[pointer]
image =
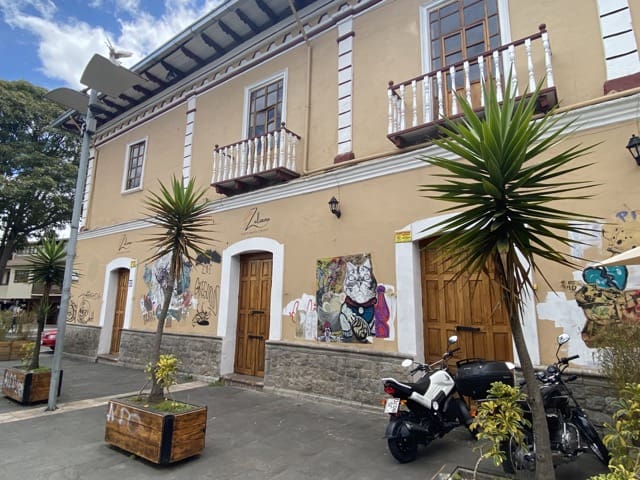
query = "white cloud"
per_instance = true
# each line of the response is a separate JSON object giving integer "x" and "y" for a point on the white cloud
{"x": 66, "y": 44}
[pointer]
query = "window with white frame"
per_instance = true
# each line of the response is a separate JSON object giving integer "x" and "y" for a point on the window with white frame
{"x": 21, "y": 276}
{"x": 265, "y": 106}
{"x": 134, "y": 165}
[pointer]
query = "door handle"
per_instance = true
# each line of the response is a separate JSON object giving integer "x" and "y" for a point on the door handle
{"x": 256, "y": 312}
{"x": 465, "y": 328}
{"x": 255, "y": 336}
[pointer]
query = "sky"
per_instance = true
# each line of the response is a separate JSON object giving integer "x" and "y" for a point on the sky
{"x": 49, "y": 42}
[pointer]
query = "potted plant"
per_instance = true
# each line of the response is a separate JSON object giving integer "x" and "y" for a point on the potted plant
{"x": 29, "y": 383}
{"x": 151, "y": 425}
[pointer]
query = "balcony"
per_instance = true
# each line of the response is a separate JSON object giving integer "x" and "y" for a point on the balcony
{"x": 256, "y": 162}
{"x": 417, "y": 107}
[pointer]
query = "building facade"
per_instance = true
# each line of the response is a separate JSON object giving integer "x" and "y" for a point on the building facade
{"x": 279, "y": 108}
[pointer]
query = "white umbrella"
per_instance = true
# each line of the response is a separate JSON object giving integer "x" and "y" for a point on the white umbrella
{"x": 630, "y": 257}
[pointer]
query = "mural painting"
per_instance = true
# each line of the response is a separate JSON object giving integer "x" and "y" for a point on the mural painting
{"x": 349, "y": 304}
{"x": 82, "y": 310}
{"x": 606, "y": 302}
{"x": 194, "y": 296}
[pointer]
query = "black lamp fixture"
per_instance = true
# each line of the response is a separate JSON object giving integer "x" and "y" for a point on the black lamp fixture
{"x": 634, "y": 148}
{"x": 334, "y": 206}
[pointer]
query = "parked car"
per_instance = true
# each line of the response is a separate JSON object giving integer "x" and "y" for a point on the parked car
{"x": 49, "y": 338}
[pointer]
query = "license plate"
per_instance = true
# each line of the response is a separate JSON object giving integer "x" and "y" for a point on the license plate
{"x": 392, "y": 405}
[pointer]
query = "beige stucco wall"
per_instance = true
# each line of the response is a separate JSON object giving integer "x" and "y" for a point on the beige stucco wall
{"x": 386, "y": 47}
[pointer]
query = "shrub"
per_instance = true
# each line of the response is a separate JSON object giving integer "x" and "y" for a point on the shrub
{"x": 620, "y": 360}
{"x": 498, "y": 419}
{"x": 623, "y": 438}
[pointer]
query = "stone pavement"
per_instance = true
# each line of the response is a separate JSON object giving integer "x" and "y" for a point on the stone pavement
{"x": 250, "y": 435}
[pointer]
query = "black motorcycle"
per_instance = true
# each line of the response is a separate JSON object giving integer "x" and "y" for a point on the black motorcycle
{"x": 570, "y": 431}
{"x": 433, "y": 406}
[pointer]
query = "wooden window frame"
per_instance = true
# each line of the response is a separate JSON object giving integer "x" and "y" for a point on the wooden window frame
{"x": 134, "y": 171}
{"x": 263, "y": 84}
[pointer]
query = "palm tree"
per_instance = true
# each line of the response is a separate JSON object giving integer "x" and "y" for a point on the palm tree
{"x": 179, "y": 212}
{"x": 46, "y": 266}
{"x": 503, "y": 221}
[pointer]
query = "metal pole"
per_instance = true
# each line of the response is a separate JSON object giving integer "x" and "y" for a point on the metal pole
{"x": 89, "y": 128}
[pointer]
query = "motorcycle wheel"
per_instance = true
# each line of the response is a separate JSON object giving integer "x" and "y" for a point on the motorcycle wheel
{"x": 515, "y": 456}
{"x": 403, "y": 449}
{"x": 592, "y": 437}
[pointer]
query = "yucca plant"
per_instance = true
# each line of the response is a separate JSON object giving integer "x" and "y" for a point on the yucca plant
{"x": 46, "y": 266}
{"x": 179, "y": 211}
{"x": 502, "y": 185}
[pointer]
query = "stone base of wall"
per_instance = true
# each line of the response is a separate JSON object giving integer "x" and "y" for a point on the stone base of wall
{"x": 340, "y": 373}
{"x": 596, "y": 396}
{"x": 198, "y": 355}
{"x": 81, "y": 340}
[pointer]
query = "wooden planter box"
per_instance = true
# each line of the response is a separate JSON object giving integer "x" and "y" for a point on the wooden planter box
{"x": 10, "y": 349}
{"x": 27, "y": 387}
{"x": 156, "y": 436}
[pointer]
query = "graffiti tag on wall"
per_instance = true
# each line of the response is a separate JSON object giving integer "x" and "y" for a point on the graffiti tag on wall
{"x": 82, "y": 311}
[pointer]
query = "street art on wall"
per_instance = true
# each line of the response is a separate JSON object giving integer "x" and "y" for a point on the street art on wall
{"x": 199, "y": 303}
{"x": 155, "y": 278}
{"x": 349, "y": 304}
{"x": 606, "y": 302}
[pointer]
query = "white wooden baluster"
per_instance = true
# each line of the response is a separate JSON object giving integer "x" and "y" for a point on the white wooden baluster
{"x": 512, "y": 70}
{"x": 427, "y": 112}
{"x": 283, "y": 144}
{"x": 226, "y": 152}
{"x": 467, "y": 81}
{"x": 243, "y": 158}
{"x": 482, "y": 79}
{"x": 216, "y": 167}
{"x": 271, "y": 163}
{"x": 261, "y": 141}
{"x": 414, "y": 113}
{"x": 402, "y": 123}
{"x": 292, "y": 159}
{"x": 454, "y": 99}
{"x": 547, "y": 59}
{"x": 532, "y": 77}
{"x": 254, "y": 155}
{"x": 391, "y": 125}
{"x": 440, "y": 99}
{"x": 236, "y": 161}
{"x": 496, "y": 68}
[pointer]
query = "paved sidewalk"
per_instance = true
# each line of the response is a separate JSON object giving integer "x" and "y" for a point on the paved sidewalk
{"x": 250, "y": 435}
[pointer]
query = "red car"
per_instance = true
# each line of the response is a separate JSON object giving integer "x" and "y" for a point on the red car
{"x": 49, "y": 338}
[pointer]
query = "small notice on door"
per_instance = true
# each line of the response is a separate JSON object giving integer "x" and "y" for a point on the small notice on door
{"x": 403, "y": 237}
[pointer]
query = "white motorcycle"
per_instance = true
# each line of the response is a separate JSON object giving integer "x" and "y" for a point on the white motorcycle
{"x": 433, "y": 406}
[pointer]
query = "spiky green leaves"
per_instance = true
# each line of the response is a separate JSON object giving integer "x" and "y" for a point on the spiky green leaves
{"x": 504, "y": 183}
{"x": 180, "y": 212}
{"x": 46, "y": 264}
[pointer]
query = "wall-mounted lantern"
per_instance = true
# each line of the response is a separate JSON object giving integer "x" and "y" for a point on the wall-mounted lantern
{"x": 634, "y": 148}
{"x": 334, "y": 206}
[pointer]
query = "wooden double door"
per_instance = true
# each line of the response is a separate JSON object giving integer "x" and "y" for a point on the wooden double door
{"x": 469, "y": 306}
{"x": 118, "y": 314}
{"x": 254, "y": 304}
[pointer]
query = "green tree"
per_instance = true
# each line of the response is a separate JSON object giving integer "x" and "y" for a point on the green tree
{"x": 37, "y": 169}
{"x": 46, "y": 267}
{"x": 179, "y": 211}
{"x": 502, "y": 186}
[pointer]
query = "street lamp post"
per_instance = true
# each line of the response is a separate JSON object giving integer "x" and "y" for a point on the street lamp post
{"x": 88, "y": 130}
{"x": 99, "y": 75}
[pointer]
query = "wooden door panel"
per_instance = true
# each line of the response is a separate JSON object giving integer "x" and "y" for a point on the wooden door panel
{"x": 253, "y": 313}
{"x": 471, "y": 302}
{"x": 119, "y": 311}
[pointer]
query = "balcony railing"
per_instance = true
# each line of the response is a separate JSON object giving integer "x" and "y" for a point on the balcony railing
{"x": 417, "y": 106}
{"x": 256, "y": 162}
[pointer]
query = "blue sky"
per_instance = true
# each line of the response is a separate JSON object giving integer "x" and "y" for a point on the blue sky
{"x": 49, "y": 42}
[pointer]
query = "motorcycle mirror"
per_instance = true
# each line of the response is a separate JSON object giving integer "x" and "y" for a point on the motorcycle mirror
{"x": 563, "y": 338}
{"x": 453, "y": 339}
{"x": 407, "y": 362}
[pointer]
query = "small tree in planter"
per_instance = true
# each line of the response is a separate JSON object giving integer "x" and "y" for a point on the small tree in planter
{"x": 165, "y": 432}
{"x": 30, "y": 383}
{"x": 46, "y": 267}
